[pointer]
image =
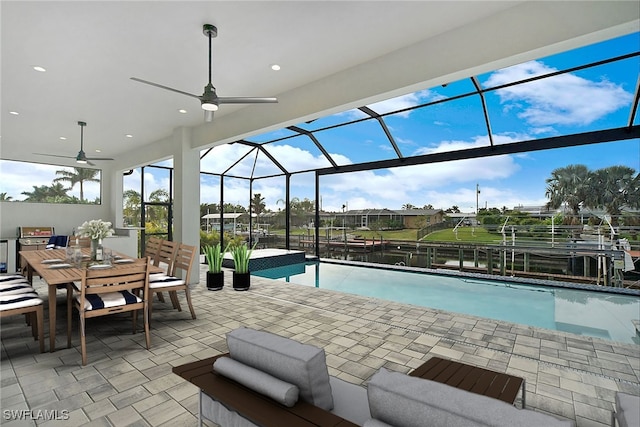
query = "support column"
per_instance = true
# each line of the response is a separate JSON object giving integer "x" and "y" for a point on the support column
{"x": 186, "y": 200}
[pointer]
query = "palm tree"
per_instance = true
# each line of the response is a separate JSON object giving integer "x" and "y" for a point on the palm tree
{"x": 407, "y": 206}
{"x": 257, "y": 205}
{"x": 39, "y": 194}
{"x": 4, "y": 197}
{"x": 78, "y": 176}
{"x": 570, "y": 186}
{"x": 57, "y": 193}
{"x": 131, "y": 208}
{"x": 613, "y": 188}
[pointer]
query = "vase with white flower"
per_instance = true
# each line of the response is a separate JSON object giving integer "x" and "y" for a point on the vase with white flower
{"x": 96, "y": 230}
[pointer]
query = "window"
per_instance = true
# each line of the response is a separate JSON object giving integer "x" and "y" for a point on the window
{"x": 43, "y": 183}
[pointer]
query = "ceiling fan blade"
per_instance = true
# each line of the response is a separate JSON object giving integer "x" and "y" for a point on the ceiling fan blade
{"x": 54, "y": 155}
{"x": 245, "y": 100}
{"x": 165, "y": 87}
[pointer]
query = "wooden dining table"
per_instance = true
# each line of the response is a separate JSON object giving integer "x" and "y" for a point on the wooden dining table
{"x": 43, "y": 263}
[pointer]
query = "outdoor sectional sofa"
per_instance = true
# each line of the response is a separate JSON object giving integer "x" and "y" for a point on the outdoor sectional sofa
{"x": 270, "y": 380}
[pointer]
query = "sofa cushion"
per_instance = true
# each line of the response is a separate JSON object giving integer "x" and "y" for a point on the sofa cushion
{"x": 256, "y": 380}
{"x": 300, "y": 364}
{"x": 404, "y": 401}
{"x": 627, "y": 412}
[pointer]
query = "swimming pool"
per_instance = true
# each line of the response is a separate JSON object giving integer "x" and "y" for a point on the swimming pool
{"x": 591, "y": 313}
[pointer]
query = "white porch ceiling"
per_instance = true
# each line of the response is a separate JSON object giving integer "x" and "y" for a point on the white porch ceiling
{"x": 334, "y": 55}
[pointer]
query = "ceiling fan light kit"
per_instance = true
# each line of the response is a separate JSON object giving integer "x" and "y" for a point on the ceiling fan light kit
{"x": 209, "y": 100}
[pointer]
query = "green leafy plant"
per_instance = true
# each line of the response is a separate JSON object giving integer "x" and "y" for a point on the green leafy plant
{"x": 214, "y": 256}
{"x": 241, "y": 254}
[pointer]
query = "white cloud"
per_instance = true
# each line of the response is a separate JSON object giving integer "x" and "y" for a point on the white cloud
{"x": 397, "y": 103}
{"x": 566, "y": 99}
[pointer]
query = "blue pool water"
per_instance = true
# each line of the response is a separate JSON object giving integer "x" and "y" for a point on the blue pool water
{"x": 597, "y": 314}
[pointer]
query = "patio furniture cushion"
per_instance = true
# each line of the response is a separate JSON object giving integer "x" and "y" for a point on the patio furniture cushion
{"x": 8, "y": 278}
{"x": 263, "y": 383}
{"x": 111, "y": 299}
{"x": 161, "y": 280}
{"x": 296, "y": 363}
{"x": 25, "y": 299}
{"x": 404, "y": 401}
{"x": 372, "y": 422}
{"x": 57, "y": 242}
{"x": 15, "y": 288}
{"x": 627, "y": 410}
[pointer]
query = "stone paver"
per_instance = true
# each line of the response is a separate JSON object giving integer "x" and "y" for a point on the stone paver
{"x": 124, "y": 384}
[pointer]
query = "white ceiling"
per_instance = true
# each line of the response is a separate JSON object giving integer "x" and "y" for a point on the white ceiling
{"x": 334, "y": 55}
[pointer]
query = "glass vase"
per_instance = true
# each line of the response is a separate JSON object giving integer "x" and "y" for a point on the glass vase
{"x": 94, "y": 248}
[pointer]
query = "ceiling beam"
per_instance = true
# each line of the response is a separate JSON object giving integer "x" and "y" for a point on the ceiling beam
{"x": 608, "y": 135}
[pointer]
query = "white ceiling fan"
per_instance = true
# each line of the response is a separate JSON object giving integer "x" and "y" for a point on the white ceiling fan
{"x": 209, "y": 100}
{"x": 81, "y": 157}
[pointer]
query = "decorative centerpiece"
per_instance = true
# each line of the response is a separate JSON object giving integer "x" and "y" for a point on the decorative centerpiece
{"x": 241, "y": 274}
{"x": 96, "y": 230}
{"x": 215, "y": 275}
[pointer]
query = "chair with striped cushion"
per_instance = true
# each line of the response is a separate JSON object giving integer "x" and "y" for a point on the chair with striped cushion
{"x": 182, "y": 263}
{"x": 104, "y": 292}
{"x": 164, "y": 258}
{"x": 17, "y": 297}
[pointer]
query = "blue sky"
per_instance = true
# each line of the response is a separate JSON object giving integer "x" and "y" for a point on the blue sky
{"x": 585, "y": 100}
{"x": 581, "y": 101}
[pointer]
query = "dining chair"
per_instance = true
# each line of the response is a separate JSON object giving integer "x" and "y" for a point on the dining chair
{"x": 104, "y": 292}
{"x": 18, "y": 297}
{"x": 165, "y": 259}
{"x": 152, "y": 248}
{"x": 178, "y": 280}
{"x": 83, "y": 242}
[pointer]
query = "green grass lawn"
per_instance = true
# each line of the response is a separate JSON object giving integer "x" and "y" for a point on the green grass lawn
{"x": 465, "y": 234}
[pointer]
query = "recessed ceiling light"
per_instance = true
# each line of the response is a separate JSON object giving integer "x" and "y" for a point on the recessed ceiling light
{"x": 182, "y": 111}
{"x": 275, "y": 67}
{"x": 129, "y": 135}
{"x": 63, "y": 138}
{"x": 39, "y": 68}
{"x": 98, "y": 150}
{"x": 15, "y": 113}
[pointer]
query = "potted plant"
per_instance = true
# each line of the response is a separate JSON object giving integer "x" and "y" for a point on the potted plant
{"x": 215, "y": 276}
{"x": 241, "y": 275}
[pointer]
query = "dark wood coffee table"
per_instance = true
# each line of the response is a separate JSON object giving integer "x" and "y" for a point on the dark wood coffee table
{"x": 471, "y": 378}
